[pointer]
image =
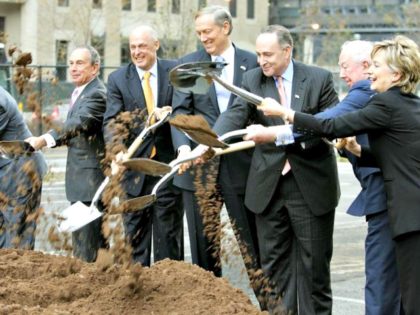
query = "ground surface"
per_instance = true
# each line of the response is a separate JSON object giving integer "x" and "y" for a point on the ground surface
{"x": 36, "y": 283}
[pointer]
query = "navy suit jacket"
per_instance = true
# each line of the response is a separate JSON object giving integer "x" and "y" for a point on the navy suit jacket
{"x": 207, "y": 106}
{"x": 392, "y": 121}
{"x": 372, "y": 198}
{"x": 125, "y": 94}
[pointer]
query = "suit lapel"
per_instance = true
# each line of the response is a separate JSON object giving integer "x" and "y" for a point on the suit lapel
{"x": 212, "y": 91}
{"x": 240, "y": 66}
{"x": 163, "y": 83}
{"x": 298, "y": 87}
{"x": 81, "y": 96}
{"x": 134, "y": 87}
{"x": 269, "y": 89}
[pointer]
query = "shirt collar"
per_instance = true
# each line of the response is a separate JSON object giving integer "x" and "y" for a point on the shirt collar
{"x": 228, "y": 54}
{"x": 288, "y": 74}
{"x": 82, "y": 87}
{"x": 152, "y": 70}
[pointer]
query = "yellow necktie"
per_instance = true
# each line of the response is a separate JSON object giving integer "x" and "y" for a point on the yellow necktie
{"x": 148, "y": 96}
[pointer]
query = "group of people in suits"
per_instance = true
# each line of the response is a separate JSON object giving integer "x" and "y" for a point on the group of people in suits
{"x": 391, "y": 120}
{"x": 281, "y": 199}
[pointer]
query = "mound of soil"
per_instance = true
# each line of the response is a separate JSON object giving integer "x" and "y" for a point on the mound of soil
{"x": 35, "y": 283}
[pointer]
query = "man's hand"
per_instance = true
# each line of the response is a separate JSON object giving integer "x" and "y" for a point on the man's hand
{"x": 161, "y": 112}
{"x": 36, "y": 142}
{"x": 115, "y": 164}
{"x": 352, "y": 146}
{"x": 260, "y": 134}
{"x": 270, "y": 107}
{"x": 183, "y": 151}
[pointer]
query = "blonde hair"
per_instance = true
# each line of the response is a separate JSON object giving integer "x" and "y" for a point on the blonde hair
{"x": 402, "y": 56}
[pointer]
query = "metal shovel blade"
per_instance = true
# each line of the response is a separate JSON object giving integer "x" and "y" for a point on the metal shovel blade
{"x": 205, "y": 138}
{"x": 138, "y": 203}
{"x": 76, "y": 216}
{"x": 15, "y": 147}
{"x": 193, "y": 77}
{"x": 147, "y": 166}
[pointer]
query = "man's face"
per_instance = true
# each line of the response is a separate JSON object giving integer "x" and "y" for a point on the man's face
{"x": 352, "y": 71}
{"x": 272, "y": 58}
{"x": 81, "y": 68}
{"x": 143, "y": 49}
{"x": 215, "y": 38}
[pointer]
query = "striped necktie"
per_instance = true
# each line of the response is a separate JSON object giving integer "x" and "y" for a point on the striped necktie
{"x": 148, "y": 96}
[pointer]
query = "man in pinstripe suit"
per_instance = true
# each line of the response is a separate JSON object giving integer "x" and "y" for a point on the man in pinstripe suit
{"x": 292, "y": 190}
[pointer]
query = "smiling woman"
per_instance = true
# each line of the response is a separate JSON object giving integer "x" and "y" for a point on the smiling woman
{"x": 392, "y": 122}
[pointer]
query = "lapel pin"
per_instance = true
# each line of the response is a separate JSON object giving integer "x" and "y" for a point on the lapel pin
{"x": 297, "y": 96}
{"x": 243, "y": 68}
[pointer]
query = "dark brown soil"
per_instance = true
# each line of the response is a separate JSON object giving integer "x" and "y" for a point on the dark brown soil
{"x": 36, "y": 283}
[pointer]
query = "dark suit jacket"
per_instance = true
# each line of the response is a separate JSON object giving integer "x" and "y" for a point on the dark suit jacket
{"x": 125, "y": 94}
{"x": 13, "y": 127}
{"x": 314, "y": 168}
{"x": 207, "y": 106}
{"x": 82, "y": 133}
{"x": 392, "y": 122}
{"x": 372, "y": 198}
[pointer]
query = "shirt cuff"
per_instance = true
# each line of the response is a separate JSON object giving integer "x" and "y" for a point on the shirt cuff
{"x": 284, "y": 135}
{"x": 184, "y": 148}
{"x": 49, "y": 140}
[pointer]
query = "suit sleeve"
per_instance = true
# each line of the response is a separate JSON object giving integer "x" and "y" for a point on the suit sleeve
{"x": 89, "y": 118}
{"x": 376, "y": 115}
{"x": 238, "y": 114}
{"x": 115, "y": 105}
{"x": 4, "y": 120}
{"x": 328, "y": 95}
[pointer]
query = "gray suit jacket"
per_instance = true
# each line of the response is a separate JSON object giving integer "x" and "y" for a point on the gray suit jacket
{"x": 207, "y": 106}
{"x": 13, "y": 127}
{"x": 314, "y": 167}
{"x": 82, "y": 133}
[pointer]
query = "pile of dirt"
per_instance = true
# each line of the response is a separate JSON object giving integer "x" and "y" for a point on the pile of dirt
{"x": 36, "y": 283}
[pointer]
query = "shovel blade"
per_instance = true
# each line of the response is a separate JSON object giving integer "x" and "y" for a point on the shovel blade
{"x": 139, "y": 203}
{"x": 205, "y": 138}
{"x": 147, "y": 166}
{"x": 76, "y": 216}
{"x": 195, "y": 77}
{"x": 15, "y": 147}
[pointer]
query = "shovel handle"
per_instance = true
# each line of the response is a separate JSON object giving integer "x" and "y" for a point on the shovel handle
{"x": 234, "y": 147}
{"x": 248, "y": 96}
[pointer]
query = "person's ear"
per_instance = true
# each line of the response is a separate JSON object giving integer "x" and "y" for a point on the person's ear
{"x": 396, "y": 76}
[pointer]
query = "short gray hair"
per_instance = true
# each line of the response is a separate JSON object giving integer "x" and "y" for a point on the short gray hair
{"x": 284, "y": 37}
{"x": 359, "y": 50}
{"x": 95, "y": 58}
{"x": 147, "y": 29}
{"x": 220, "y": 14}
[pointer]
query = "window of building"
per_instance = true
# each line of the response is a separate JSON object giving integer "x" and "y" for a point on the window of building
{"x": 151, "y": 5}
{"x": 63, "y": 3}
{"x": 202, "y": 4}
{"x": 250, "y": 10}
{"x": 125, "y": 51}
{"x": 61, "y": 51}
{"x": 98, "y": 42}
{"x": 126, "y": 5}
{"x": 97, "y": 4}
{"x": 176, "y": 6}
{"x": 232, "y": 7}
{"x": 2, "y": 29}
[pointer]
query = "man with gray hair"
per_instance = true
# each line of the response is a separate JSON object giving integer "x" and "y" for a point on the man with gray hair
{"x": 213, "y": 25}
{"x": 382, "y": 293}
{"x": 143, "y": 84}
{"x": 82, "y": 133}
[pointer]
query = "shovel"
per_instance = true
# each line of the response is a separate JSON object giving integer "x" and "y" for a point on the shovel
{"x": 156, "y": 168}
{"x": 147, "y": 200}
{"x": 15, "y": 147}
{"x": 196, "y": 77}
{"x": 78, "y": 214}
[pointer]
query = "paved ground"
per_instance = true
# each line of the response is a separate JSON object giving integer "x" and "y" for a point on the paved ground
{"x": 347, "y": 268}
